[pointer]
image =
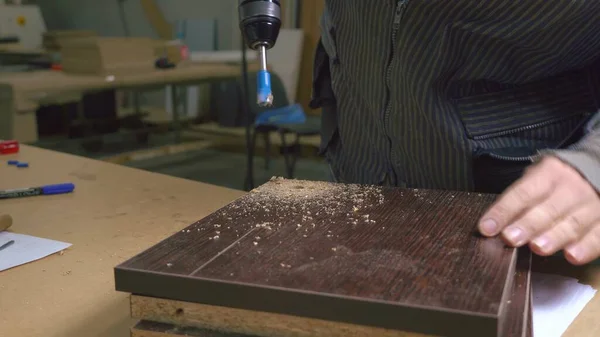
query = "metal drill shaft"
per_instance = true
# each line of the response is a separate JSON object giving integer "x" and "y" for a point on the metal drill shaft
{"x": 262, "y": 51}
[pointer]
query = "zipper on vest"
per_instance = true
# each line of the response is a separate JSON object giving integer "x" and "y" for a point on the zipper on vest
{"x": 399, "y": 12}
{"x": 508, "y": 158}
{"x": 400, "y": 7}
{"x": 511, "y": 131}
{"x": 519, "y": 129}
{"x": 529, "y": 127}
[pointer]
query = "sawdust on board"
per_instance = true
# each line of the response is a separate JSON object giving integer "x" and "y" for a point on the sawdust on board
{"x": 301, "y": 204}
{"x": 281, "y": 200}
{"x": 304, "y": 206}
{"x": 308, "y": 197}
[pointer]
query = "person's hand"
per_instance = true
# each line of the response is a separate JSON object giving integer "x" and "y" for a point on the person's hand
{"x": 551, "y": 208}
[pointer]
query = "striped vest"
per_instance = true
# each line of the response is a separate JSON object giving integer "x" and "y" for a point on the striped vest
{"x": 414, "y": 91}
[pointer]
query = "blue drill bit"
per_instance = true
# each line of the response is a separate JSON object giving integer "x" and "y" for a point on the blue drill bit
{"x": 264, "y": 93}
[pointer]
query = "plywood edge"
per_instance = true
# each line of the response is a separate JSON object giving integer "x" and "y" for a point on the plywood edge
{"x": 247, "y": 322}
{"x": 155, "y": 329}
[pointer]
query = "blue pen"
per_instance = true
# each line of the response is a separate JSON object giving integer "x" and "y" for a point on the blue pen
{"x": 34, "y": 191}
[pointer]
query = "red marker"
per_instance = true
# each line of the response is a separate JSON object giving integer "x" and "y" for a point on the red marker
{"x": 9, "y": 147}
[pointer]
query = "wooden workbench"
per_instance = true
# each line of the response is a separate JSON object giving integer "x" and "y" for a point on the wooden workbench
{"x": 115, "y": 213}
{"x": 22, "y": 93}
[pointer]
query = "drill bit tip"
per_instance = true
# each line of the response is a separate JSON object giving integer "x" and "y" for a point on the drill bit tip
{"x": 265, "y": 101}
{"x": 264, "y": 93}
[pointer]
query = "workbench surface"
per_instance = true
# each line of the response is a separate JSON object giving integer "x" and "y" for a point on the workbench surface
{"x": 114, "y": 214}
{"x": 22, "y": 93}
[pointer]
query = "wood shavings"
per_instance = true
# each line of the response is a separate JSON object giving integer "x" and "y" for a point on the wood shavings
{"x": 302, "y": 204}
{"x": 265, "y": 225}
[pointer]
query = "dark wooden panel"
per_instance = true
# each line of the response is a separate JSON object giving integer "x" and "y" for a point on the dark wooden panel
{"x": 393, "y": 258}
{"x": 518, "y": 318}
{"x": 186, "y": 251}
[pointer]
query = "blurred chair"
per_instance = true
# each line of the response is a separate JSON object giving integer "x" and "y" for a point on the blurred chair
{"x": 284, "y": 119}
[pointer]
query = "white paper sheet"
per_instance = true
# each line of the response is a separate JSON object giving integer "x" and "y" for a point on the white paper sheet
{"x": 26, "y": 249}
{"x": 557, "y": 300}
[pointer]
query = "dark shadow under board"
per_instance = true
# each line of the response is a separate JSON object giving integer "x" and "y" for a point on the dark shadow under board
{"x": 155, "y": 329}
{"x": 384, "y": 257}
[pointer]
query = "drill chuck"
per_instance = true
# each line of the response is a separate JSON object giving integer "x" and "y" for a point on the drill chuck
{"x": 260, "y": 22}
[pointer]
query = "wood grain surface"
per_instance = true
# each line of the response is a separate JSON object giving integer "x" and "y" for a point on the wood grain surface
{"x": 389, "y": 258}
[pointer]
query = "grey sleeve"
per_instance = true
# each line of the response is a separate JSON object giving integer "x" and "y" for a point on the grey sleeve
{"x": 584, "y": 156}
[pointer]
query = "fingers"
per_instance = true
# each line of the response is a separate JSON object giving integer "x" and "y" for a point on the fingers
{"x": 552, "y": 207}
{"x": 531, "y": 189}
{"x": 541, "y": 217}
{"x": 569, "y": 229}
{"x": 587, "y": 249}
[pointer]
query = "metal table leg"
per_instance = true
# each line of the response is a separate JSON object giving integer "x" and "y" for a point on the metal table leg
{"x": 174, "y": 108}
{"x": 249, "y": 181}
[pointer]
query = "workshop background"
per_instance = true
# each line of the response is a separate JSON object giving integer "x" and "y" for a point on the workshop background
{"x": 102, "y": 79}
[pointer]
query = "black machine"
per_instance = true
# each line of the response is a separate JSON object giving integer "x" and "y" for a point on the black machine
{"x": 260, "y": 21}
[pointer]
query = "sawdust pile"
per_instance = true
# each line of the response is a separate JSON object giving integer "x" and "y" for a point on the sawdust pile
{"x": 304, "y": 202}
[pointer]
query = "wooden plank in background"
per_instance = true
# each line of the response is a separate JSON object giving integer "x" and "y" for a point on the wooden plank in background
{"x": 310, "y": 15}
{"x": 157, "y": 19}
{"x": 389, "y": 258}
{"x": 165, "y": 150}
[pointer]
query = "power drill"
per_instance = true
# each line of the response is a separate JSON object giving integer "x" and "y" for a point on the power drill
{"x": 260, "y": 21}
